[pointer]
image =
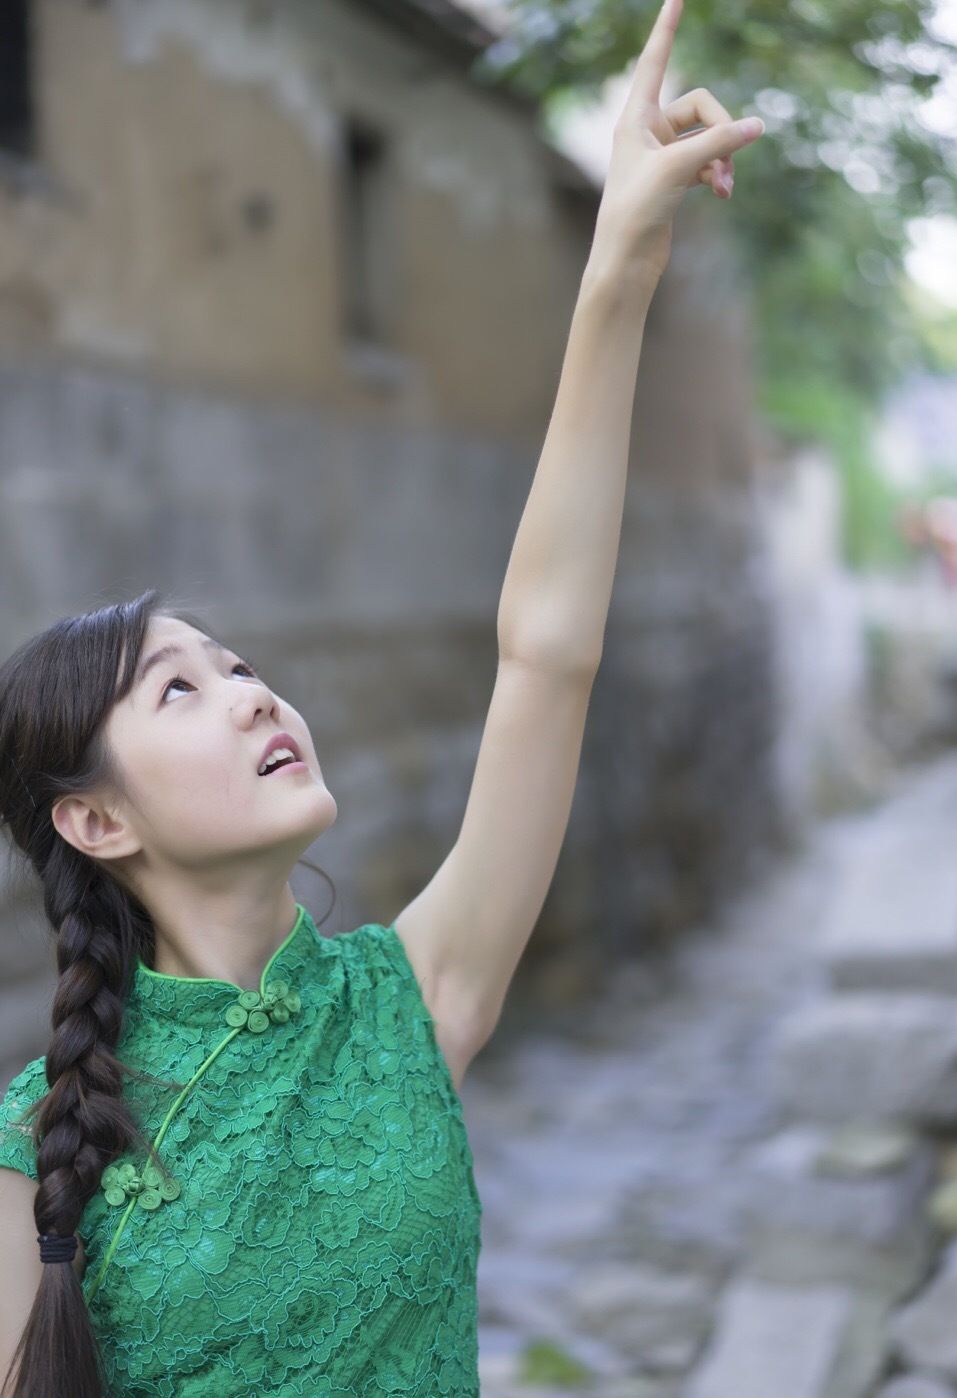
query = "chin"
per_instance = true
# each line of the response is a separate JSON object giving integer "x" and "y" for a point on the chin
{"x": 328, "y": 810}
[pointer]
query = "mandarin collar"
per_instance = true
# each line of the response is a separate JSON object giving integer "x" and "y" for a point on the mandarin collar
{"x": 203, "y": 1002}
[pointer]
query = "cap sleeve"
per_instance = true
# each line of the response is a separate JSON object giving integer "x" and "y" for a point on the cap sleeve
{"x": 17, "y": 1151}
{"x": 381, "y": 952}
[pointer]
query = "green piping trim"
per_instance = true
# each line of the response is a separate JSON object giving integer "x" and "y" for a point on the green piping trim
{"x": 212, "y": 980}
{"x": 193, "y": 1080}
{"x": 162, "y": 1132}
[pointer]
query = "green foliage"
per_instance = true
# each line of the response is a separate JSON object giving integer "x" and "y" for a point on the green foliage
{"x": 827, "y": 411}
{"x": 937, "y": 328}
{"x": 879, "y": 652}
{"x": 545, "y": 1362}
{"x": 821, "y": 202}
{"x": 940, "y": 480}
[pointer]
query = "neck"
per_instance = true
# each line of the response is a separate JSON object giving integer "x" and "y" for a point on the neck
{"x": 224, "y": 942}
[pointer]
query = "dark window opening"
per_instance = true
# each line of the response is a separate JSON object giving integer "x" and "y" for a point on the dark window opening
{"x": 368, "y": 235}
{"x": 16, "y": 107}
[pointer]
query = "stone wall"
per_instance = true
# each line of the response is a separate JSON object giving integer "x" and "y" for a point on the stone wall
{"x": 182, "y": 404}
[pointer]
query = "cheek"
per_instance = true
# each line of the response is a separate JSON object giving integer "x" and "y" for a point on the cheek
{"x": 191, "y": 777}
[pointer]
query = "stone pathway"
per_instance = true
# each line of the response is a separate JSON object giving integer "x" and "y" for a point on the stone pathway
{"x": 668, "y": 1213}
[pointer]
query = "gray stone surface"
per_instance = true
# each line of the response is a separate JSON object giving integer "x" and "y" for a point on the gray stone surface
{"x": 942, "y": 1207}
{"x": 658, "y": 1319}
{"x": 783, "y": 1341}
{"x": 806, "y": 1224}
{"x": 889, "y": 890}
{"x": 863, "y": 1357}
{"x": 892, "y": 923}
{"x": 924, "y": 1333}
{"x": 787, "y": 1181}
{"x": 371, "y": 603}
{"x": 916, "y": 1386}
{"x": 714, "y": 1219}
{"x": 870, "y": 1056}
{"x": 855, "y": 1152}
{"x": 522, "y": 1288}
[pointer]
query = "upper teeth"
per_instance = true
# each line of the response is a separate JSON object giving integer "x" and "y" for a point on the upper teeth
{"x": 274, "y": 757}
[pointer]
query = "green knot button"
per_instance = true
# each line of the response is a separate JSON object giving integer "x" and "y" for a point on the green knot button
{"x": 256, "y": 1012}
{"x": 149, "y": 1186}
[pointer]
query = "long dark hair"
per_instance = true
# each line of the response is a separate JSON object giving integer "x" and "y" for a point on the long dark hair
{"x": 56, "y": 693}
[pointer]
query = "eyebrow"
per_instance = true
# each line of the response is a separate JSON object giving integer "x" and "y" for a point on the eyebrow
{"x": 166, "y": 652}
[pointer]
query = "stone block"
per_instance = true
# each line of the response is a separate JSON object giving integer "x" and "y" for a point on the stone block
{"x": 923, "y": 1332}
{"x": 892, "y": 924}
{"x": 856, "y": 1151}
{"x": 869, "y": 1057}
{"x": 916, "y": 1386}
{"x": 657, "y": 1318}
{"x": 942, "y": 1207}
{"x": 805, "y": 1224}
{"x": 519, "y": 1288}
{"x": 780, "y": 1341}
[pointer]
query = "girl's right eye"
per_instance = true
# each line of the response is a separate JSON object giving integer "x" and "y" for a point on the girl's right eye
{"x": 178, "y": 679}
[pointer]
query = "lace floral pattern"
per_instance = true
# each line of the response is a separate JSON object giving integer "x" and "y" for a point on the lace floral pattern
{"x": 319, "y": 1229}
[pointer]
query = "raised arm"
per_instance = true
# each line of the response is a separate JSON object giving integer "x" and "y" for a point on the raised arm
{"x": 557, "y": 589}
{"x": 465, "y": 932}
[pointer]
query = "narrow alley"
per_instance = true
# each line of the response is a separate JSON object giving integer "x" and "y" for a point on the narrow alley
{"x": 700, "y": 1190}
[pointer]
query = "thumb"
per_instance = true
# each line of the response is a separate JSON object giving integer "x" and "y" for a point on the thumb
{"x": 718, "y": 142}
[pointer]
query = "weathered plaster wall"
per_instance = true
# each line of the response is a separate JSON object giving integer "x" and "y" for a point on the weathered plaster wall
{"x": 178, "y": 408}
{"x": 195, "y": 227}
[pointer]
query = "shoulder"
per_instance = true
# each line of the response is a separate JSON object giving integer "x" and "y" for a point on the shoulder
{"x": 379, "y": 950}
{"x": 378, "y": 958}
{"x": 392, "y": 959}
{"x": 371, "y": 944}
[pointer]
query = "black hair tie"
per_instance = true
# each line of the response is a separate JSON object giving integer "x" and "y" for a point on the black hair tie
{"x": 54, "y": 1248}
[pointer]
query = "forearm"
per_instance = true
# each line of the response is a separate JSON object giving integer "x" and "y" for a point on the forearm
{"x": 557, "y": 588}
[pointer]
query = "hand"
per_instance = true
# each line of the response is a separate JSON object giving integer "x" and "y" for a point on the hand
{"x": 653, "y": 164}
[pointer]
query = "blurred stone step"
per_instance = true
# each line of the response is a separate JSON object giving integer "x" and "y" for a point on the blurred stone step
{"x": 917, "y": 1386}
{"x": 923, "y": 1333}
{"x": 869, "y": 1056}
{"x": 891, "y": 920}
{"x": 892, "y": 924}
{"x": 812, "y": 1216}
{"x": 790, "y": 1342}
{"x": 659, "y": 1319}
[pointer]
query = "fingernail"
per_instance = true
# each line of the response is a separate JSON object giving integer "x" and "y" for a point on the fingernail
{"x": 751, "y": 126}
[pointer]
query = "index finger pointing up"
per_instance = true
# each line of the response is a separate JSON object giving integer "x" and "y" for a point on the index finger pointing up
{"x": 653, "y": 60}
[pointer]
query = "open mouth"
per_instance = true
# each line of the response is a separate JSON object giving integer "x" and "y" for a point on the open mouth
{"x": 282, "y": 757}
{"x": 283, "y": 762}
{"x": 282, "y": 750}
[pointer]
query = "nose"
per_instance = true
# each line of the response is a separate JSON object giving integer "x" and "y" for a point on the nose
{"x": 256, "y": 699}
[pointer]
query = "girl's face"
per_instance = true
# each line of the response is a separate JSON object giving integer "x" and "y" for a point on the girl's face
{"x": 189, "y": 739}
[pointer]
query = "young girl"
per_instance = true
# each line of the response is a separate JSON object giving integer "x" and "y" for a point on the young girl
{"x": 243, "y": 1155}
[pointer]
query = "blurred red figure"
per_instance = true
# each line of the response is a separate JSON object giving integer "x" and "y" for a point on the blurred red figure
{"x": 934, "y": 526}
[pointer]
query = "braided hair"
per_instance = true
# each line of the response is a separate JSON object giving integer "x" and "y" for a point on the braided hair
{"x": 56, "y": 693}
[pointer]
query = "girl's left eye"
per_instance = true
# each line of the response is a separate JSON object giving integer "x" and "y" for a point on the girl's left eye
{"x": 240, "y": 665}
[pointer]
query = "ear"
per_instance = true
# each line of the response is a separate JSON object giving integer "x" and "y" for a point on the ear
{"x": 87, "y": 825}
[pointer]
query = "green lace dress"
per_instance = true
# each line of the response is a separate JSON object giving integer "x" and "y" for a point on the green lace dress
{"x": 317, "y": 1232}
